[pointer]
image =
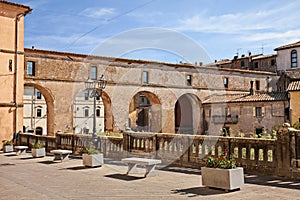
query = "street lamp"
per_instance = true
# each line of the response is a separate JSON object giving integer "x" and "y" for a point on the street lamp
{"x": 96, "y": 87}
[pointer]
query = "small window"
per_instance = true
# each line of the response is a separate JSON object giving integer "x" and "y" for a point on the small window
{"x": 39, "y": 112}
{"x": 225, "y": 81}
{"x": 38, "y": 95}
{"x": 294, "y": 62}
{"x": 145, "y": 77}
{"x": 93, "y": 73}
{"x": 273, "y": 62}
{"x": 189, "y": 80}
{"x": 86, "y": 96}
{"x": 30, "y": 68}
{"x": 86, "y": 112}
{"x": 98, "y": 112}
{"x": 257, "y": 85}
{"x": 256, "y": 65}
{"x": 258, "y": 132}
{"x": 258, "y": 112}
{"x": 242, "y": 63}
{"x": 10, "y": 65}
{"x": 227, "y": 112}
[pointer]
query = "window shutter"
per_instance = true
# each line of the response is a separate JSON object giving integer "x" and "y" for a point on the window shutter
{"x": 254, "y": 111}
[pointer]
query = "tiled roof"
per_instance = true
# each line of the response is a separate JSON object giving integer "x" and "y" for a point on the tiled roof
{"x": 293, "y": 74}
{"x": 296, "y": 44}
{"x": 264, "y": 56}
{"x": 234, "y": 98}
{"x": 294, "y": 86}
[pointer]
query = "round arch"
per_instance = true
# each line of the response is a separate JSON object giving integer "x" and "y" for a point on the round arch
{"x": 188, "y": 114}
{"x": 145, "y": 112}
{"x": 50, "y": 106}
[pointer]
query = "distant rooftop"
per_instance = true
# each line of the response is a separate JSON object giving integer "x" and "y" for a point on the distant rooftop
{"x": 292, "y": 45}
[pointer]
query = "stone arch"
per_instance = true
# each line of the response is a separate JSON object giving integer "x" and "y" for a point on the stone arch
{"x": 108, "y": 116}
{"x": 145, "y": 112}
{"x": 188, "y": 114}
{"x": 50, "y": 105}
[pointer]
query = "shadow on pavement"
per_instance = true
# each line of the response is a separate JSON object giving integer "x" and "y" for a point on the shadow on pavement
{"x": 181, "y": 170}
{"x": 198, "y": 191}
{"x": 48, "y": 162}
{"x": 273, "y": 181}
{"x": 123, "y": 177}
{"x": 80, "y": 168}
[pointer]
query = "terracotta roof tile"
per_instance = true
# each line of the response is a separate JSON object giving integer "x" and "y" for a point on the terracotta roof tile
{"x": 296, "y": 44}
{"x": 294, "y": 86}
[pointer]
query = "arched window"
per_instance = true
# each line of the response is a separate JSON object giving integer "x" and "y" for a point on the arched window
{"x": 294, "y": 62}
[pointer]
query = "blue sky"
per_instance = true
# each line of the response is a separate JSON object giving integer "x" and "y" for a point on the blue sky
{"x": 222, "y": 28}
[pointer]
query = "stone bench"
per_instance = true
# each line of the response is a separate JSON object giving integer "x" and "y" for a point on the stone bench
{"x": 61, "y": 154}
{"x": 149, "y": 164}
{"x": 20, "y": 149}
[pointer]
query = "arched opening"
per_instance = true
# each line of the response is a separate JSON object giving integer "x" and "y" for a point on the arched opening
{"x": 83, "y": 113}
{"x": 38, "y": 109}
{"x": 188, "y": 115}
{"x": 145, "y": 112}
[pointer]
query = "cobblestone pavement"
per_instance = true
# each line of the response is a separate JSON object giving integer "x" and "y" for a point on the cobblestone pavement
{"x": 24, "y": 177}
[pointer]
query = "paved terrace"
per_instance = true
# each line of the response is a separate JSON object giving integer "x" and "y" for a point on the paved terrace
{"x": 24, "y": 177}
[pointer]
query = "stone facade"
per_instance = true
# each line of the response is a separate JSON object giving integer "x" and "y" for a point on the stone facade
{"x": 60, "y": 76}
{"x": 11, "y": 70}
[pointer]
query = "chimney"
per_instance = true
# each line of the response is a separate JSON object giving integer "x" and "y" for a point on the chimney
{"x": 251, "y": 88}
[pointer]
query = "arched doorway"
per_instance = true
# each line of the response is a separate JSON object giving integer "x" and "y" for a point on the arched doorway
{"x": 38, "y": 110}
{"x": 188, "y": 115}
{"x": 145, "y": 112}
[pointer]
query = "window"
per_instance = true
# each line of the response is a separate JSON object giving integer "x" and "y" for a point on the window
{"x": 227, "y": 112}
{"x": 86, "y": 96}
{"x": 257, "y": 85}
{"x": 294, "y": 59}
{"x": 86, "y": 112}
{"x": 98, "y": 112}
{"x": 145, "y": 77}
{"x": 189, "y": 80}
{"x": 256, "y": 65}
{"x": 242, "y": 63}
{"x": 273, "y": 62}
{"x": 39, "y": 112}
{"x": 93, "y": 73}
{"x": 10, "y": 65}
{"x": 38, "y": 95}
{"x": 30, "y": 68}
{"x": 258, "y": 111}
{"x": 225, "y": 81}
{"x": 258, "y": 132}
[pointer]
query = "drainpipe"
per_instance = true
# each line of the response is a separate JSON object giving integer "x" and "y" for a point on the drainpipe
{"x": 18, "y": 16}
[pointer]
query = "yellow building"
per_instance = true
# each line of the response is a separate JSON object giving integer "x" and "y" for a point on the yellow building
{"x": 294, "y": 94}
{"x": 11, "y": 67}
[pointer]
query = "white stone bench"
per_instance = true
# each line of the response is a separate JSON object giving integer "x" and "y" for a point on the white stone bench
{"x": 61, "y": 154}
{"x": 20, "y": 149}
{"x": 148, "y": 163}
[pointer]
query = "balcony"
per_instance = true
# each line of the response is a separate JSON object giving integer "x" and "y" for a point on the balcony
{"x": 221, "y": 119}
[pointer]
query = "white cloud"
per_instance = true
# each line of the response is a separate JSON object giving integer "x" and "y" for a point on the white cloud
{"x": 97, "y": 12}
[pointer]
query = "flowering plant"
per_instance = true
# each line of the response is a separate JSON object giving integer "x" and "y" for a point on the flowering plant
{"x": 37, "y": 145}
{"x": 224, "y": 161}
{"x": 6, "y": 142}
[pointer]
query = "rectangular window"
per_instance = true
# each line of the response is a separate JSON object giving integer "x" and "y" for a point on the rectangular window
{"x": 242, "y": 63}
{"x": 98, "y": 112}
{"x": 273, "y": 62}
{"x": 38, "y": 95}
{"x": 10, "y": 65}
{"x": 93, "y": 73}
{"x": 188, "y": 80}
{"x": 145, "y": 77}
{"x": 86, "y": 112}
{"x": 86, "y": 96}
{"x": 227, "y": 112}
{"x": 257, "y": 85}
{"x": 30, "y": 68}
{"x": 256, "y": 65}
{"x": 258, "y": 112}
{"x": 225, "y": 81}
{"x": 39, "y": 112}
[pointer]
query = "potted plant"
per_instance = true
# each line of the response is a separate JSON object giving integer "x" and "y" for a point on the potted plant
{"x": 7, "y": 146}
{"x": 38, "y": 150}
{"x": 222, "y": 172}
{"x": 91, "y": 157}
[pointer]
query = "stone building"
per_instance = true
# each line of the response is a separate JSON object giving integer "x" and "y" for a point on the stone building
{"x": 288, "y": 57}
{"x": 11, "y": 67}
{"x": 257, "y": 62}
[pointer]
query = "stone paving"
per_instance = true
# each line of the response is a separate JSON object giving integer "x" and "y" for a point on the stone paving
{"x": 24, "y": 177}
